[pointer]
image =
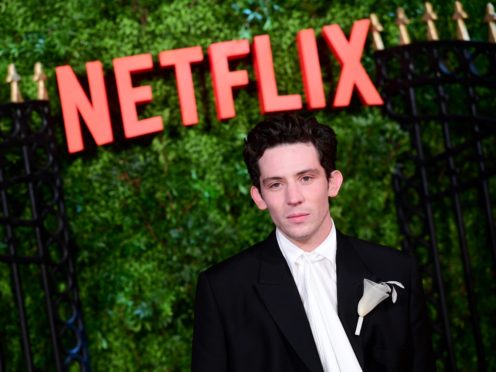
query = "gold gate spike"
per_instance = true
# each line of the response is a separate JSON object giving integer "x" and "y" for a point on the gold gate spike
{"x": 376, "y": 28}
{"x": 459, "y": 15}
{"x": 401, "y": 21}
{"x": 490, "y": 19}
{"x": 39, "y": 77}
{"x": 13, "y": 79}
{"x": 429, "y": 17}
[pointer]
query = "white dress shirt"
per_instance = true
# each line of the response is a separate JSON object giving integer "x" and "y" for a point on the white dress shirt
{"x": 315, "y": 277}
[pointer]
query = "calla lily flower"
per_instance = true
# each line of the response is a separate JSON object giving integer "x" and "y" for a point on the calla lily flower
{"x": 373, "y": 295}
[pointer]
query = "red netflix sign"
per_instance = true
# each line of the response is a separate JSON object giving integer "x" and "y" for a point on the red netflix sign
{"x": 95, "y": 111}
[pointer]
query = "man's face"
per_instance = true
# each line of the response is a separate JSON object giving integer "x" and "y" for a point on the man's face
{"x": 295, "y": 190}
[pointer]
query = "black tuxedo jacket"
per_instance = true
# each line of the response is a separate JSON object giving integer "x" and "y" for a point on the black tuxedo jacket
{"x": 249, "y": 315}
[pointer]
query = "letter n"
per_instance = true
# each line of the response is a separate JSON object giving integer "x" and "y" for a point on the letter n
{"x": 74, "y": 101}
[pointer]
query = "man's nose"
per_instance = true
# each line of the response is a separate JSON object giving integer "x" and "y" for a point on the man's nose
{"x": 294, "y": 195}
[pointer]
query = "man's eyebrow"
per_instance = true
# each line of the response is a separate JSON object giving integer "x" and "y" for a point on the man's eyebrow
{"x": 270, "y": 179}
{"x": 300, "y": 173}
{"x": 305, "y": 171}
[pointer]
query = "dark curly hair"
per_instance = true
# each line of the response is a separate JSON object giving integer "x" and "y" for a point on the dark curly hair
{"x": 289, "y": 129}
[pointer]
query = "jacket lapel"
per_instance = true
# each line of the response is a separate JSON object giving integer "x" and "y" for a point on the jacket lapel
{"x": 350, "y": 274}
{"x": 278, "y": 291}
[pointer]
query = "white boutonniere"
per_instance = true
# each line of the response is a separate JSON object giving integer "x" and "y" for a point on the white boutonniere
{"x": 373, "y": 295}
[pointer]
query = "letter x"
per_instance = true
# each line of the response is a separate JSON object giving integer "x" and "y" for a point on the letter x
{"x": 352, "y": 72}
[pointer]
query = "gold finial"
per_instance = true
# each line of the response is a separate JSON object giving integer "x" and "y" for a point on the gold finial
{"x": 429, "y": 17}
{"x": 402, "y": 21}
{"x": 490, "y": 19}
{"x": 376, "y": 28}
{"x": 13, "y": 79}
{"x": 459, "y": 15}
{"x": 39, "y": 77}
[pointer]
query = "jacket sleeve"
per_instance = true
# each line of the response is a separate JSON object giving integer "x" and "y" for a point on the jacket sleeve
{"x": 209, "y": 343}
{"x": 421, "y": 333}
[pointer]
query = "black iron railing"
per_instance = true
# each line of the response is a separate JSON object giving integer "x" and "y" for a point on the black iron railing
{"x": 442, "y": 93}
{"x": 35, "y": 249}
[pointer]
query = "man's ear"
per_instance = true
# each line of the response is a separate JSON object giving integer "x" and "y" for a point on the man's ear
{"x": 335, "y": 182}
{"x": 257, "y": 198}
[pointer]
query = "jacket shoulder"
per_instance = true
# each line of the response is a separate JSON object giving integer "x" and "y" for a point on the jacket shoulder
{"x": 380, "y": 258}
{"x": 371, "y": 248}
{"x": 240, "y": 265}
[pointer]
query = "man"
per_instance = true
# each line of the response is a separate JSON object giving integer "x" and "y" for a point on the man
{"x": 289, "y": 303}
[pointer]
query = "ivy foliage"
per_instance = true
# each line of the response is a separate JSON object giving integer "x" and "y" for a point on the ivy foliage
{"x": 148, "y": 217}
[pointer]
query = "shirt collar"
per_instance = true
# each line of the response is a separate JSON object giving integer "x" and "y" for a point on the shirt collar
{"x": 291, "y": 251}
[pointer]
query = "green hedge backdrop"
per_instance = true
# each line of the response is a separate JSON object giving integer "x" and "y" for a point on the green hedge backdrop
{"x": 147, "y": 218}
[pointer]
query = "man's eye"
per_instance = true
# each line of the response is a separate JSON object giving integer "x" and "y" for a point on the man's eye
{"x": 275, "y": 185}
{"x": 306, "y": 178}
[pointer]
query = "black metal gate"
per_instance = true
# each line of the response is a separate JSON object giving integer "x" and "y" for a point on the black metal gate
{"x": 35, "y": 250}
{"x": 444, "y": 95}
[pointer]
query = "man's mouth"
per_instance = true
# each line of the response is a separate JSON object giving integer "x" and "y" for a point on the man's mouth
{"x": 297, "y": 217}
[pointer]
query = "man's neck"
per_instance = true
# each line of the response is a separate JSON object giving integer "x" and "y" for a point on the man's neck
{"x": 313, "y": 242}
